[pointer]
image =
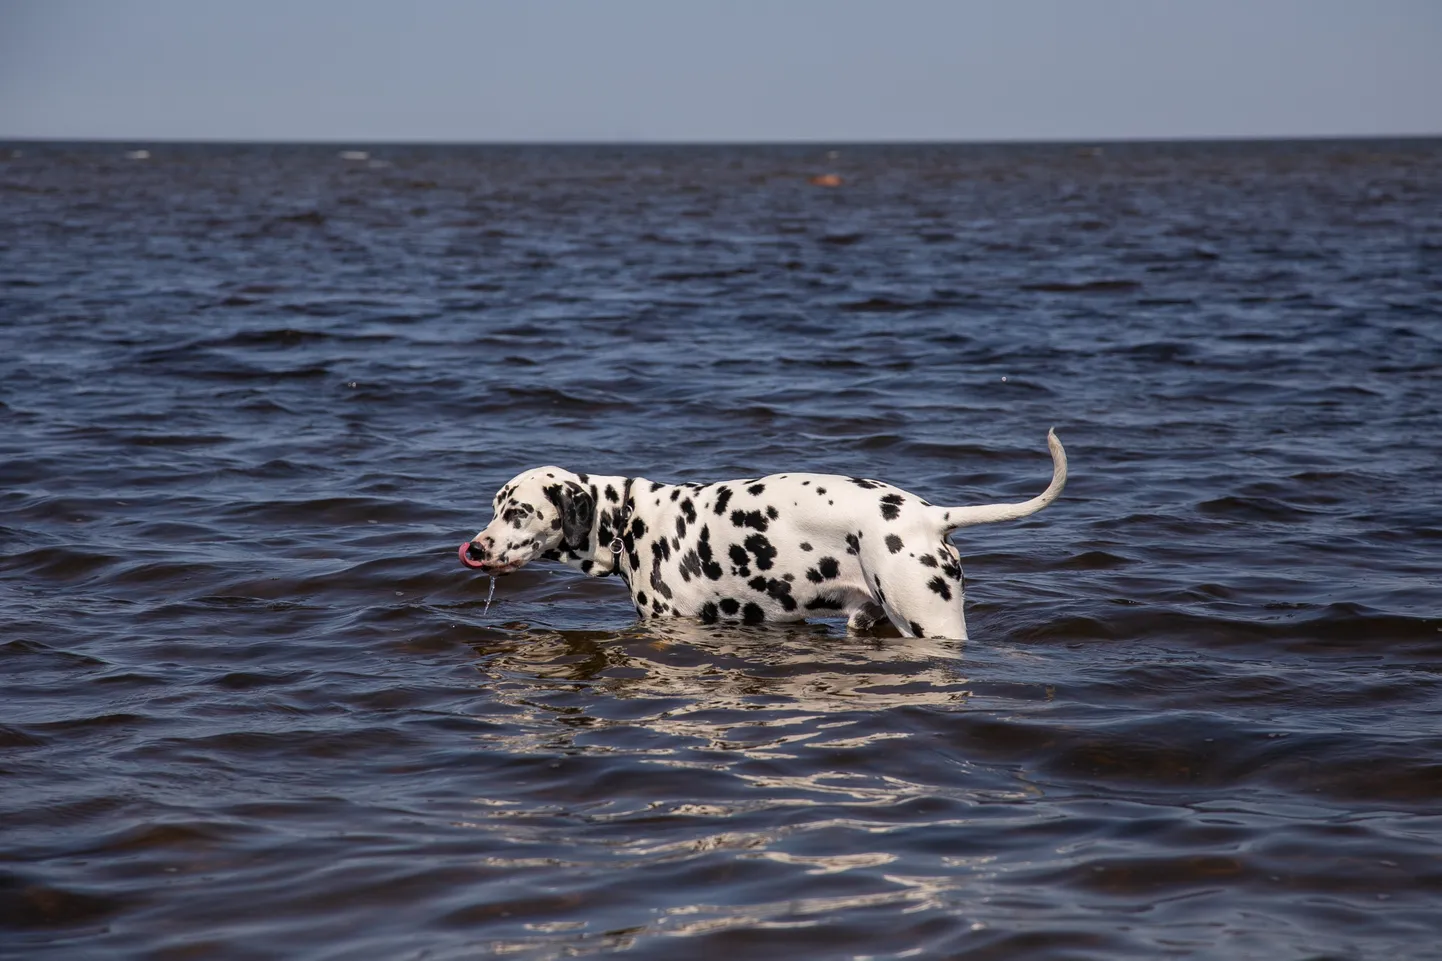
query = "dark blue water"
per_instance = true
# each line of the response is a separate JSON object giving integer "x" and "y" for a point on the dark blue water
{"x": 252, "y": 397}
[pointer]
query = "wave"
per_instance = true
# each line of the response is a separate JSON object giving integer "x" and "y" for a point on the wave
{"x": 1084, "y": 287}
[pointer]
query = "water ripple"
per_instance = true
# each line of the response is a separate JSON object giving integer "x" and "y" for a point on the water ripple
{"x": 253, "y": 395}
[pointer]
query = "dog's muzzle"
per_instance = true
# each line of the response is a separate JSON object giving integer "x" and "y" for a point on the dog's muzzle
{"x": 472, "y": 555}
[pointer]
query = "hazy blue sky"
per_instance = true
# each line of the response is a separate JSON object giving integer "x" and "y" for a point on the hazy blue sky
{"x": 367, "y": 70}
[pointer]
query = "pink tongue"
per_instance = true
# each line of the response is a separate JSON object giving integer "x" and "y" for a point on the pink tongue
{"x": 466, "y": 560}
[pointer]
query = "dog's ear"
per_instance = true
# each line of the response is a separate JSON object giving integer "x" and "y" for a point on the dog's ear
{"x": 578, "y": 511}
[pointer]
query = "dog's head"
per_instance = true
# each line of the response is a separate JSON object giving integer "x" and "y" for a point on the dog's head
{"x": 545, "y": 511}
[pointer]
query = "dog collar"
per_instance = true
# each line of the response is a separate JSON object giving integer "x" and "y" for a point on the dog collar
{"x": 617, "y": 545}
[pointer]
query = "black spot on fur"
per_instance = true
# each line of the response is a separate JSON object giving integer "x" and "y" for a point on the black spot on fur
{"x": 708, "y": 613}
{"x": 753, "y": 519}
{"x": 780, "y": 591}
{"x": 752, "y": 614}
{"x": 758, "y": 544}
{"x": 723, "y": 497}
{"x": 756, "y": 490}
{"x": 757, "y": 584}
{"x": 826, "y": 569}
{"x": 772, "y": 513}
{"x": 853, "y": 544}
{"x": 641, "y": 598}
{"x": 865, "y": 485}
{"x": 806, "y": 546}
{"x": 729, "y": 606}
{"x": 657, "y": 581}
{"x": 940, "y": 587}
{"x": 893, "y": 543}
{"x": 656, "y": 485}
{"x": 689, "y": 510}
{"x": 739, "y": 557}
{"x": 917, "y": 630}
{"x": 927, "y": 560}
{"x": 675, "y": 495}
{"x": 825, "y": 604}
{"x": 709, "y": 567}
{"x": 891, "y": 506}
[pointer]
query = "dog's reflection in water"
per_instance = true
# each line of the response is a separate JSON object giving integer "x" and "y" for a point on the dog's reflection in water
{"x": 813, "y": 666}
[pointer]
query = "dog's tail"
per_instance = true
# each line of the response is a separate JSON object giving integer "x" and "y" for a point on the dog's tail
{"x": 953, "y": 517}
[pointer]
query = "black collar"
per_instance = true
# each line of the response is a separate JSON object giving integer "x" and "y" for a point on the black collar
{"x": 617, "y": 546}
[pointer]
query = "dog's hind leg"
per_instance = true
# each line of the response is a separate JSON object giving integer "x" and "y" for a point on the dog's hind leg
{"x": 922, "y": 594}
{"x": 930, "y": 619}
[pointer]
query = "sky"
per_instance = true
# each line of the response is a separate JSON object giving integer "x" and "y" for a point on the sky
{"x": 368, "y": 71}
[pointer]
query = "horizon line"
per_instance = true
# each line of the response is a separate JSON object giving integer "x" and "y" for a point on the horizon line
{"x": 800, "y": 142}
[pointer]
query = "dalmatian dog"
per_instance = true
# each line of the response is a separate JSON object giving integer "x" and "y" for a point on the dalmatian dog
{"x": 778, "y": 548}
